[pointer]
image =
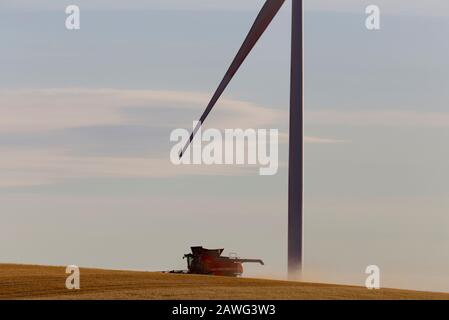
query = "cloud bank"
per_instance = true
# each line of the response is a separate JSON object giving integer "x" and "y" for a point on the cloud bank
{"x": 32, "y": 113}
{"x": 35, "y": 111}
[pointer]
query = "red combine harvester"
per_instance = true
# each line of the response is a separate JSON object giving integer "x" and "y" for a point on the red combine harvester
{"x": 207, "y": 261}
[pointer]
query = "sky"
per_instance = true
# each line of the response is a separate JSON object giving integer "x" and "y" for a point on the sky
{"x": 85, "y": 120}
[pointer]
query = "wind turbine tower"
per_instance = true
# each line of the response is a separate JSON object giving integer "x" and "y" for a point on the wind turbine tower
{"x": 296, "y": 136}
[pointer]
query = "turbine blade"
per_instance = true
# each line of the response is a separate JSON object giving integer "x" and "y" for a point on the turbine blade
{"x": 263, "y": 20}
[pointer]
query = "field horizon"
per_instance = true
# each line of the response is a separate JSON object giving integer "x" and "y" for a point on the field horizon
{"x": 20, "y": 281}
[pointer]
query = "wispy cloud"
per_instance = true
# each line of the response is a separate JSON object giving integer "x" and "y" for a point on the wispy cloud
{"x": 52, "y": 109}
{"x": 319, "y": 140}
{"x": 32, "y": 112}
{"x": 378, "y": 118}
{"x": 284, "y": 137}
{"x": 31, "y": 167}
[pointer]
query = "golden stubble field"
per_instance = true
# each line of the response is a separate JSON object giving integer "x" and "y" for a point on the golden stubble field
{"x": 43, "y": 282}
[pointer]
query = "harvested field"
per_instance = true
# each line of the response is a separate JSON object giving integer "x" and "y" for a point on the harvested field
{"x": 43, "y": 282}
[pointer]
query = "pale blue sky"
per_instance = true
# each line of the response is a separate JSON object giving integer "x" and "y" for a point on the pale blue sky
{"x": 85, "y": 119}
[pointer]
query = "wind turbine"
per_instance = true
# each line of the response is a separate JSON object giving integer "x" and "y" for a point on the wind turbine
{"x": 295, "y": 169}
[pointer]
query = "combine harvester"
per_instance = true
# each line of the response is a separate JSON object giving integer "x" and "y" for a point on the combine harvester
{"x": 210, "y": 261}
